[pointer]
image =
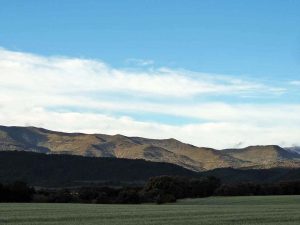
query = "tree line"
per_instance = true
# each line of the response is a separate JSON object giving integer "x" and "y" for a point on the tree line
{"x": 240, "y": 189}
{"x": 162, "y": 189}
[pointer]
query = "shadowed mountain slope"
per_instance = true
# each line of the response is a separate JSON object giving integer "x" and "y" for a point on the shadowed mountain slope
{"x": 69, "y": 170}
{"x": 294, "y": 149}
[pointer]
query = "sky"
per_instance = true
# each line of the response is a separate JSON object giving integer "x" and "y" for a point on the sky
{"x": 221, "y": 74}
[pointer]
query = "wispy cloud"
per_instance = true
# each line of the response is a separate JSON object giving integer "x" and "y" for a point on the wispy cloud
{"x": 139, "y": 62}
{"x": 295, "y": 82}
{"x": 34, "y": 89}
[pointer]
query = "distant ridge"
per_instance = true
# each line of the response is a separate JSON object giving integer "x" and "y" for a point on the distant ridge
{"x": 294, "y": 149}
{"x": 165, "y": 150}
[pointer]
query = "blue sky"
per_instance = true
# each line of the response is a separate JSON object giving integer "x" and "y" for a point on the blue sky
{"x": 254, "y": 38}
{"x": 148, "y": 68}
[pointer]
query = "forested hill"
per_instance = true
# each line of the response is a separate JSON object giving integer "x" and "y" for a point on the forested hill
{"x": 68, "y": 170}
{"x": 273, "y": 175}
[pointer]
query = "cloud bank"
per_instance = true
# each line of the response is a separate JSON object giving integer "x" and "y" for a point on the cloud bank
{"x": 84, "y": 95}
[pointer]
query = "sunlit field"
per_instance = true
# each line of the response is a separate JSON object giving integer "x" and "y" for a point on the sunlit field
{"x": 214, "y": 210}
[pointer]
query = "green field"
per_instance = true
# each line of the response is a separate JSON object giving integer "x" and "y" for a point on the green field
{"x": 215, "y": 210}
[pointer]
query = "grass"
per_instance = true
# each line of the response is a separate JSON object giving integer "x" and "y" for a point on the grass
{"x": 215, "y": 211}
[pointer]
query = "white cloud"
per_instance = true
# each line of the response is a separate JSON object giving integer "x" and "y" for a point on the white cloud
{"x": 72, "y": 75}
{"x": 34, "y": 89}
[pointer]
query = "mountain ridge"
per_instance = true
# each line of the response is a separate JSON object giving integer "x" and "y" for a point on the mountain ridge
{"x": 157, "y": 150}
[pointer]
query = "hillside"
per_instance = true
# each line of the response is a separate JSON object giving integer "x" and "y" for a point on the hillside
{"x": 164, "y": 150}
{"x": 265, "y": 156}
{"x": 68, "y": 170}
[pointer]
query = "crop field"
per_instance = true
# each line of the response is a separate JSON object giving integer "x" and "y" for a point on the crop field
{"x": 215, "y": 210}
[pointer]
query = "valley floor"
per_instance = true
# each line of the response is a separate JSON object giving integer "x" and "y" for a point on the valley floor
{"x": 269, "y": 210}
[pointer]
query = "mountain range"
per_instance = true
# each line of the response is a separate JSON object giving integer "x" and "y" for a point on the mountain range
{"x": 157, "y": 150}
